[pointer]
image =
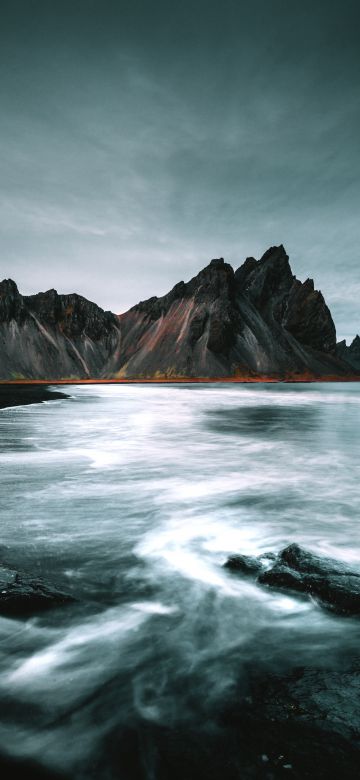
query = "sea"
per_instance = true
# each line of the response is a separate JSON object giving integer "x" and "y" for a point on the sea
{"x": 131, "y": 498}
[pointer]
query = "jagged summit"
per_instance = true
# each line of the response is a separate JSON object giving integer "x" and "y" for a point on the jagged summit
{"x": 217, "y": 262}
{"x": 8, "y": 285}
{"x": 10, "y": 301}
{"x": 257, "y": 321}
{"x": 351, "y": 353}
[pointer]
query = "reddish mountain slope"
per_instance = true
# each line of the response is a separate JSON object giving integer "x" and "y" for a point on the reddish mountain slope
{"x": 259, "y": 319}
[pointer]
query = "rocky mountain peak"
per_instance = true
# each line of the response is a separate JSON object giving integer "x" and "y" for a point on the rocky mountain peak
{"x": 73, "y": 314}
{"x": 350, "y": 353}
{"x": 8, "y": 287}
{"x": 261, "y": 278}
{"x": 242, "y": 273}
{"x": 217, "y": 262}
{"x": 11, "y": 302}
{"x": 307, "y": 317}
{"x": 267, "y": 282}
{"x": 274, "y": 254}
{"x": 216, "y": 280}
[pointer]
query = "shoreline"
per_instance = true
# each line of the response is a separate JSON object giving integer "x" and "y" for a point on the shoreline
{"x": 303, "y": 379}
{"x": 28, "y": 394}
{"x": 22, "y": 392}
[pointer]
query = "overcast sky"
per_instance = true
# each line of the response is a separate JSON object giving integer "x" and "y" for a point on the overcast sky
{"x": 141, "y": 138}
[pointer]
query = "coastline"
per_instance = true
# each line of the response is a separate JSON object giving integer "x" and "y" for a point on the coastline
{"x": 292, "y": 379}
{"x": 28, "y": 394}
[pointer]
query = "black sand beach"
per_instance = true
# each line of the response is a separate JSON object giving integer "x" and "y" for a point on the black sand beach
{"x": 18, "y": 395}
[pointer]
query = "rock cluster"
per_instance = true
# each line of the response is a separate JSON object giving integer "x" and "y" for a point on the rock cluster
{"x": 333, "y": 584}
{"x": 22, "y": 595}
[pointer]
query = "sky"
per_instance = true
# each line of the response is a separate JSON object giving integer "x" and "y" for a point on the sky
{"x": 141, "y": 138}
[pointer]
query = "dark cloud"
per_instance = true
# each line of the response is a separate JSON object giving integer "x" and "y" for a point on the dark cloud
{"x": 142, "y": 138}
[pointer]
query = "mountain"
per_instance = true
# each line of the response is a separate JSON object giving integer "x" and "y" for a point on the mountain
{"x": 49, "y": 336}
{"x": 258, "y": 321}
{"x": 350, "y": 354}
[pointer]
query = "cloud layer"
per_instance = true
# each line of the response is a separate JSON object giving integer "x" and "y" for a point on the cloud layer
{"x": 139, "y": 139}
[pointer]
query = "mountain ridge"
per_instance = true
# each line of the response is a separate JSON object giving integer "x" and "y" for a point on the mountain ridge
{"x": 256, "y": 321}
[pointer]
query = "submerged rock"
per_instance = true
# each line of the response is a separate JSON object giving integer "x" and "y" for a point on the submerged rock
{"x": 304, "y": 723}
{"x": 299, "y": 723}
{"x": 334, "y": 584}
{"x": 327, "y": 698}
{"x": 22, "y": 595}
{"x": 11, "y": 766}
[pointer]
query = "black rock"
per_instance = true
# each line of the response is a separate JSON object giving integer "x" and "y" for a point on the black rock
{"x": 339, "y": 593}
{"x": 11, "y": 767}
{"x": 22, "y": 595}
{"x": 299, "y": 723}
{"x": 307, "y": 562}
{"x": 244, "y": 564}
{"x": 334, "y": 584}
{"x": 304, "y": 723}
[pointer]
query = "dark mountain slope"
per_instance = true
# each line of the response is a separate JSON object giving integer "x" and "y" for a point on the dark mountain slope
{"x": 259, "y": 321}
{"x": 189, "y": 332}
{"x": 350, "y": 354}
{"x": 49, "y": 336}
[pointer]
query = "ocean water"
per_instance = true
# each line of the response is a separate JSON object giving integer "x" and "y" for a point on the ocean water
{"x": 131, "y": 498}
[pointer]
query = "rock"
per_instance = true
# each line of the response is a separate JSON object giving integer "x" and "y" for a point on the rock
{"x": 11, "y": 767}
{"x": 334, "y": 584}
{"x": 300, "y": 723}
{"x": 307, "y": 562}
{"x": 329, "y": 698}
{"x": 245, "y": 564}
{"x": 338, "y": 593}
{"x": 22, "y": 595}
{"x": 305, "y": 721}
